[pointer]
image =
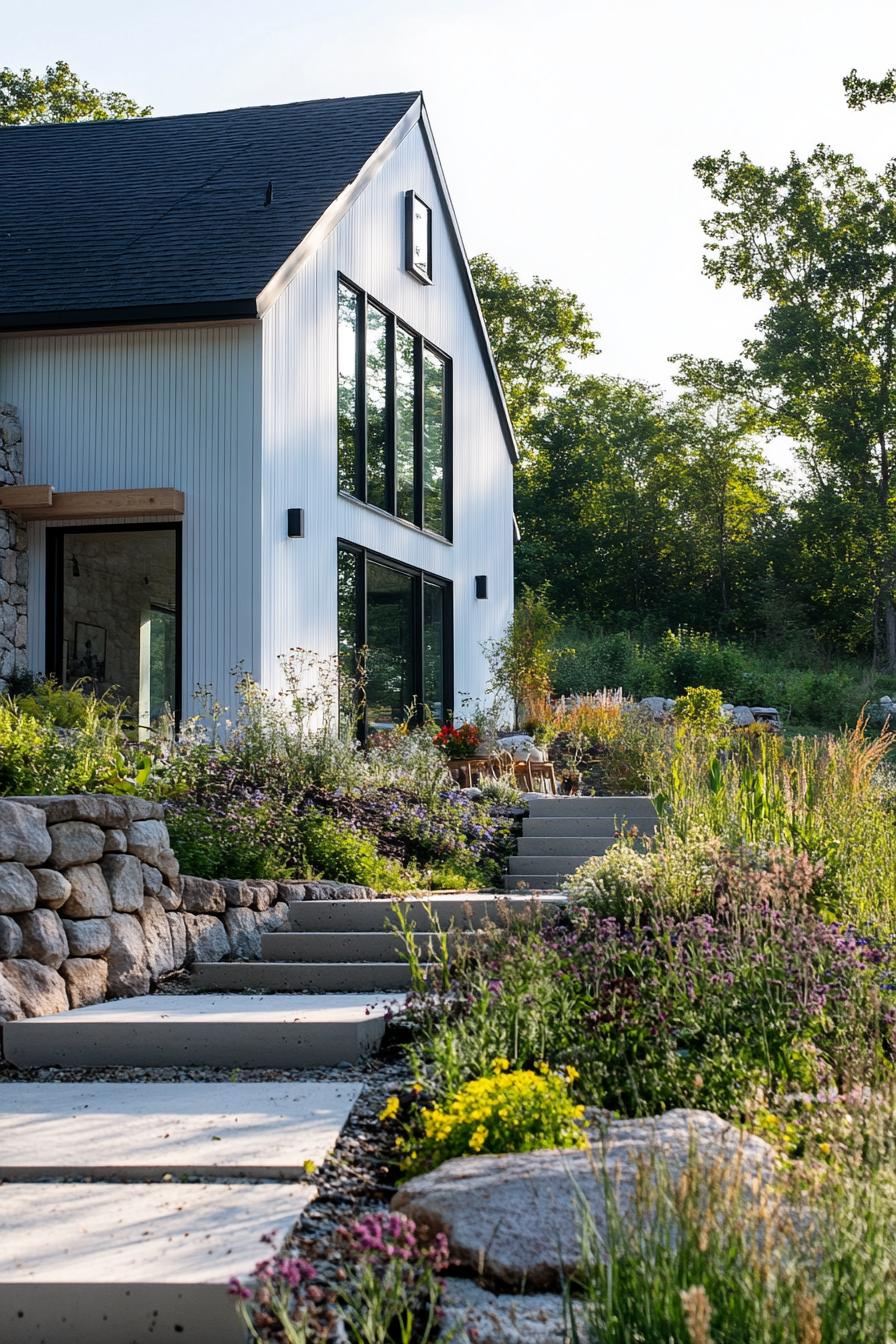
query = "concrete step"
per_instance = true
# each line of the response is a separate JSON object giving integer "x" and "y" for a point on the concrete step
{"x": 465, "y": 911}
{"x": 220, "y": 1030}
{"x": 150, "y": 1132}
{"x": 622, "y": 806}
{"x": 355, "y": 978}
{"x": 544, "y": 845}
{"x": 542, "y": 863}
{"x": 594, "y": 827}
{"x": 538, "y": 884}
{"x": 103, "y": 1263}
{"x": 346, "y": 947}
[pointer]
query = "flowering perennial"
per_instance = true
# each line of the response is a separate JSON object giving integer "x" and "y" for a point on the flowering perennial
{"x": 504, "y": 1112}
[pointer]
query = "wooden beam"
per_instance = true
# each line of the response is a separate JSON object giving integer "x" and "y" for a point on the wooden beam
{"x": 65, "y": 506}
{"x": 20, "y": 497}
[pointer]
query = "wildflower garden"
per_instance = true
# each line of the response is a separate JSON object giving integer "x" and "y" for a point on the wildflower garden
{"x": 742, "y": 962}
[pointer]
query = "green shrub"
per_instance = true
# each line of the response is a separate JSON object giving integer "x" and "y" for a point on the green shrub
{"x": 340, "y": 853}
{"x": 240, "y": 841}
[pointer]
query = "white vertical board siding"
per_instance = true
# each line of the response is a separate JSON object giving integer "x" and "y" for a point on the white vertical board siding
{"x": 173, "y": 406}
{"x": 298, "y": 577}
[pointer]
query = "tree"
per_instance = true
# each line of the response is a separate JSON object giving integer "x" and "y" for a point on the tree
{"x": 860, "y": 92}
{"x": 28, "y": 99}
{"x": 535, "y": 329}
{"x": 816, "y": 240}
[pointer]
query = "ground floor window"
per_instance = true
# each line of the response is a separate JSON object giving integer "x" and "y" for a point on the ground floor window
{"x": 394, "y": 641}
{"x": 113, "y": 604}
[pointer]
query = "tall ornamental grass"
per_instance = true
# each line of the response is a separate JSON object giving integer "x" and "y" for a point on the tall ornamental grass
{"x": 827, "y": 797}
{"x": 710, "y": 1259}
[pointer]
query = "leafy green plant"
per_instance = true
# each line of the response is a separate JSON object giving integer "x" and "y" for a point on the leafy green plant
{"x": 523, "y": 659}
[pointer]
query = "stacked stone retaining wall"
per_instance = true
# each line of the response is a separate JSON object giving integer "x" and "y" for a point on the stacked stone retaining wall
{"x": 93, "y": 905}
{"x": 13, "y": 554}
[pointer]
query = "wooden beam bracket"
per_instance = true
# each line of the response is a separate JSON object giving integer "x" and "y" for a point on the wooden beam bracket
{"x": 42, "y": 501}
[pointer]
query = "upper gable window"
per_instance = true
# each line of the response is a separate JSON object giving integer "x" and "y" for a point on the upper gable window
{"x": 417, "y": 238}
{"x": 394, "y": 415}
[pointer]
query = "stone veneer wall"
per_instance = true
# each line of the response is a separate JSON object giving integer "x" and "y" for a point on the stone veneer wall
{"x": 13, "y": 553}
{"x": 92, "y": 905}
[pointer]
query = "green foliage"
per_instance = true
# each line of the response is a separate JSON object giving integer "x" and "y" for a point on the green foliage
{"x": 699, "y": 710}
{"x": 535, "y": 329}
{"x": 87, "y": 751}
{"x": 28, "y": 99}
{"x": 522, "y": 660}
{"x": 335, "y": 851}
{"x": 821, "y": 695}
{"x": 240, "y": 842}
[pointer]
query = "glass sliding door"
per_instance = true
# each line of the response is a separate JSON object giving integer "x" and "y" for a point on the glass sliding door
{"x": 391, "y": 646}
{"x": 434, "y": 649}
{"x": 394, "y": 627}
{"x": 113, "y": 614}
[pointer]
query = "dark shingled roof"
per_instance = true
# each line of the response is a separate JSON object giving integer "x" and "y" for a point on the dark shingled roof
{"x": 166, "y": 216}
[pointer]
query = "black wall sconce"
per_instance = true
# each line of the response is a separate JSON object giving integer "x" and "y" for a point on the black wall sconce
{"x": 295, "y": 522}
{"x": 482, "y": 585}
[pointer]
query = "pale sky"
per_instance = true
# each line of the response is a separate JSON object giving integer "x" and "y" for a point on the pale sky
{"x": 567, "y": 130}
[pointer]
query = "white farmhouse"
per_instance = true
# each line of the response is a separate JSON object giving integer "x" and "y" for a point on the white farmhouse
{"x": 258, "y": 406}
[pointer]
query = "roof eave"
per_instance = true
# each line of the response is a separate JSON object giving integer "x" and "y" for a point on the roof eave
{"x": 151, "y": 314}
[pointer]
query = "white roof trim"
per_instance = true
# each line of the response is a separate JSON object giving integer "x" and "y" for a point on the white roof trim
{"x": 336, "y": 209}
{"x": 472, "y": 296}
{"x": 334, "y": 212}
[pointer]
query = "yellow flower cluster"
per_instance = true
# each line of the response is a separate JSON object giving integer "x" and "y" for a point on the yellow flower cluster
{"x": 504, "y": 1112}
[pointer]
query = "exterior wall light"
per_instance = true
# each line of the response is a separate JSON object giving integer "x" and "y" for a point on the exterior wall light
{"x": 482, "y": 585}
{"x": 295, "y": 522}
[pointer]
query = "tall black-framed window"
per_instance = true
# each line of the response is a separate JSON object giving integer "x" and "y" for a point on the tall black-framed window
{"x": 394, "y": 414}
{"x": 113, "y": 613}
{"x": 395, "y": 641}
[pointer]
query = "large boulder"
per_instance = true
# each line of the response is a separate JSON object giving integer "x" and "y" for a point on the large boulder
{"x": 86, "y": 979}
{"x": 40, "y": 989}
{"x": 244, "y": 931}
{"x": 43, "y": 937}
{"x": 515, "y": 1219}
{"x": 88, "y": 937}
{"x": 89, "y": 896}
{"x": 124, "y": 878}
{"x": 206, "y": 938}
{"x": 127, "y": 959}
{"x": 10, "y": 937}
{"x": 116, "y": 841}
{"x": 202, "y": 897}
{"x": 76, "y": 842}
{"x": 23, "y": 833}
{"x": 236, "y": 892}
{"x": 53, "y": 887}
{"x": 742, "y": 716}
{"x": 178, "y": 931}
{"x": 10, "y": 998}
{"x": 148, "y": 840}
{"x": 157, "y": 936}
{"x": 18, "y": 889}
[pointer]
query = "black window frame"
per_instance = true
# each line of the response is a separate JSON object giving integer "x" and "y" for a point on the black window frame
{"x": 421, "y": 577}
{"x": 360, "y": 494}
{"x": 54, "y": 594}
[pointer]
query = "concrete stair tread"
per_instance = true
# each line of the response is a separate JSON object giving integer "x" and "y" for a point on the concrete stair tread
{"x": 216, "y": 1029}
{"x": 334, "y": 948}
{"x": 303, "y": 977}
{"x": 547, "y": 863}
{"x": 138, "y": 1264}
{"x": 464, "y": 909}
{"x": 140, "y": 1132}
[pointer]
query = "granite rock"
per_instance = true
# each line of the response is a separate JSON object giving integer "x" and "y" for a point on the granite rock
{"x": 43, "y": 937}
{"x": 53, "y": 887}
{"x": 75, "y": 842}
{"x": 89, "y": 896}
{"x": 18, "y": 889}
{"x": 86, "y": 979}
{"x": 23, "y": 833}
{"x": 124, "y": 878}
{"x": 127, "y": 959}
